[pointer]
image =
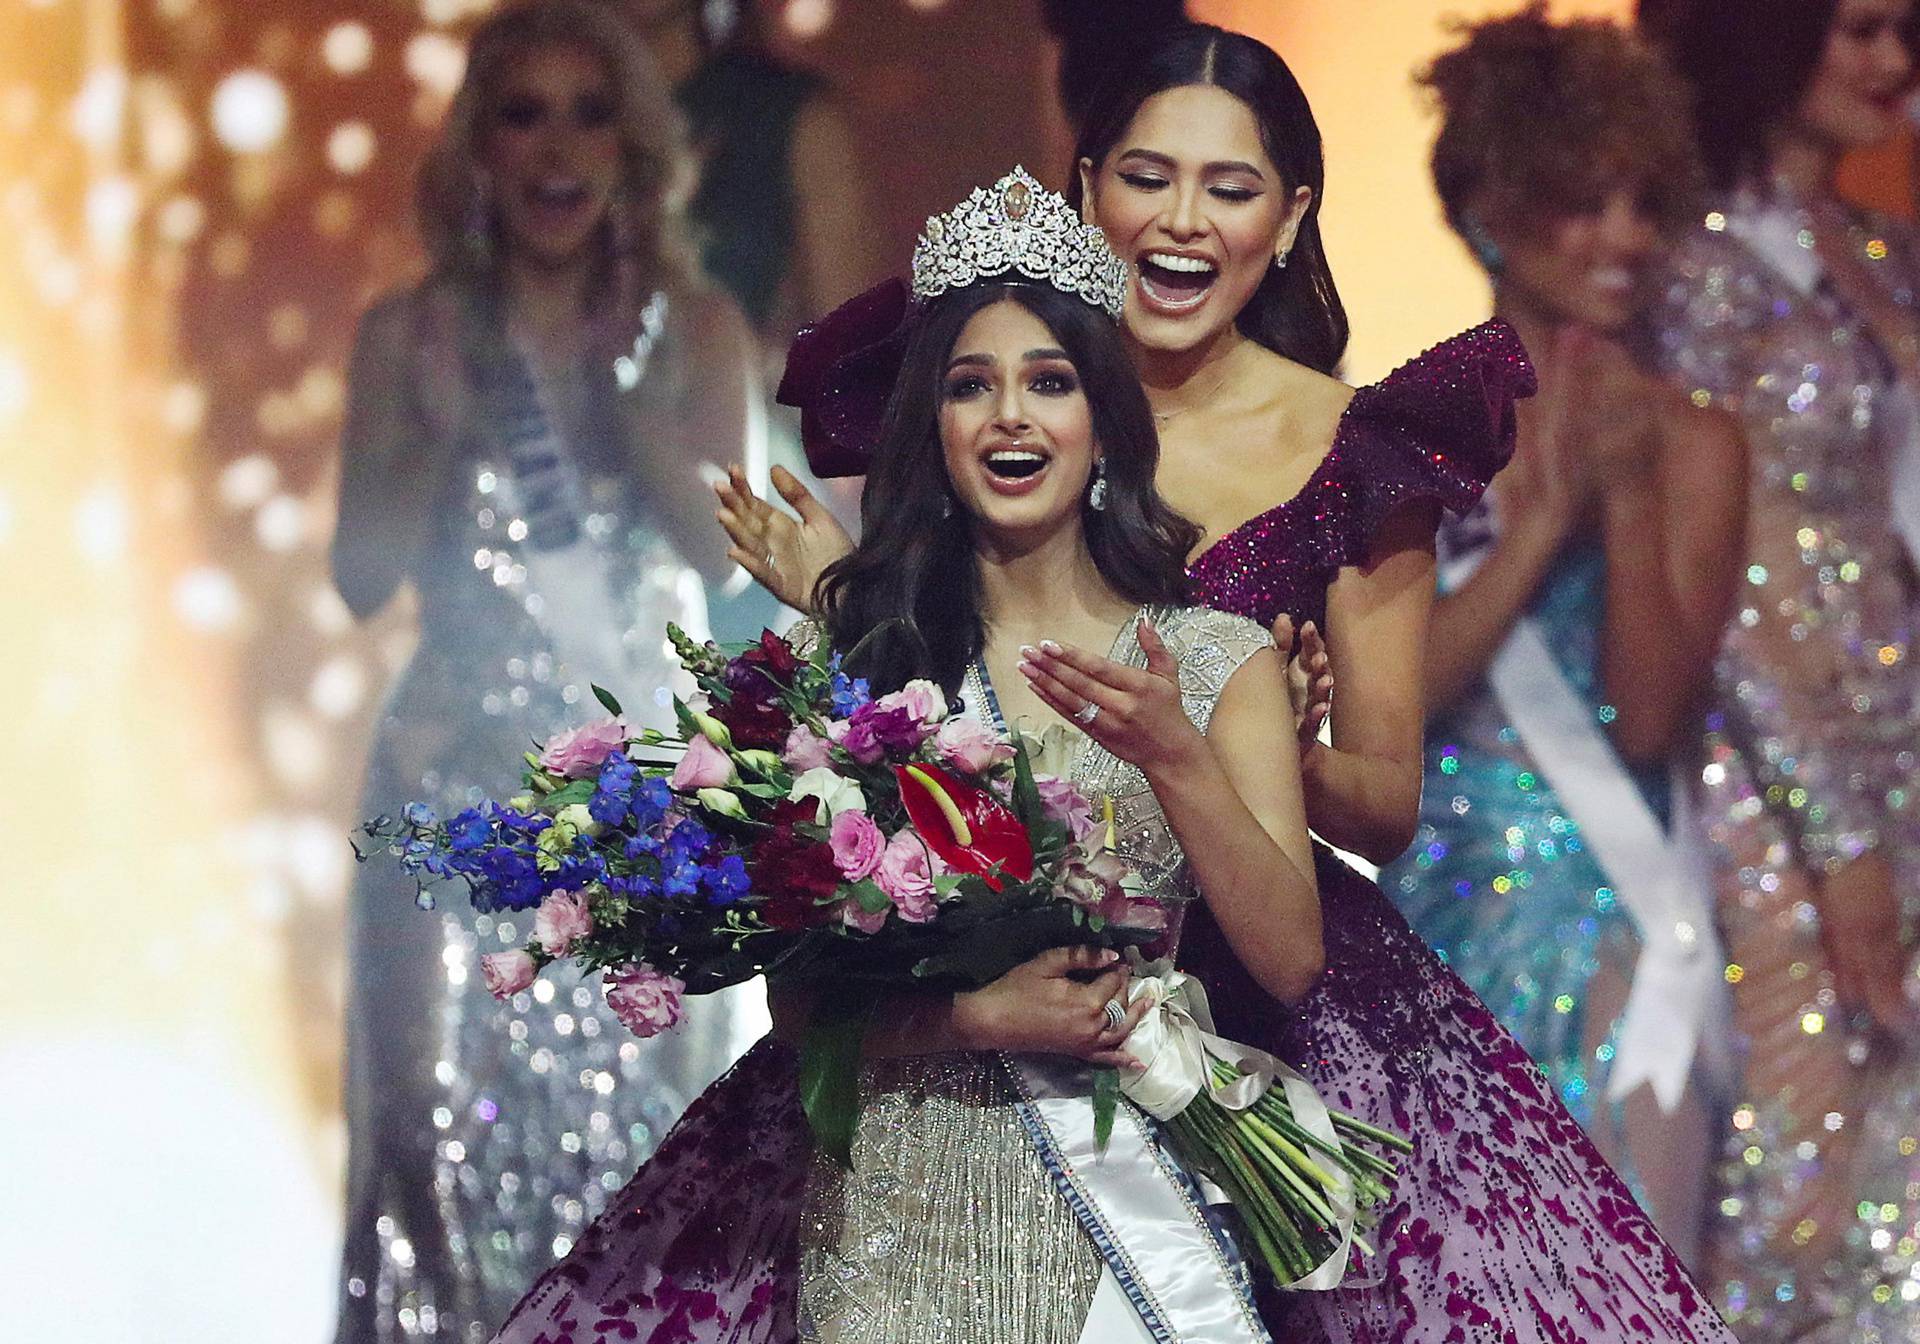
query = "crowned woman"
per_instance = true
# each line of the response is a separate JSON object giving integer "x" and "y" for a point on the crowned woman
{"x": 1016, "y": 552}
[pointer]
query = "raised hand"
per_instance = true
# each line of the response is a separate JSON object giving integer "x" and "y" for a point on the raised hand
{"x": 785, "y": 554}
{"x": 1053, "y": 1004}
{"x": 1134, "y": 713}
{"x": 1309, "y": 676}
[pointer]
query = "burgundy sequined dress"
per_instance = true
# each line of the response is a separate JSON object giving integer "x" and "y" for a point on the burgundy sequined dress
{"x": 1506, "y": 1228}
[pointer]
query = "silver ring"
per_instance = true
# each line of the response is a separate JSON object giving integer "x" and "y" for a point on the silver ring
{"x": 1116, "y": 1015}
{"x": 1086, "y": 714}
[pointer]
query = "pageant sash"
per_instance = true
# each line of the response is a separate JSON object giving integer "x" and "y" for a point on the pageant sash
{"x": 1142, "y": 1211}
{"x": 1676, "y": 1000}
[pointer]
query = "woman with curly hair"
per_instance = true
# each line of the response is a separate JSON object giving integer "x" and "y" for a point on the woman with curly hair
{"x": 1581, "y": 603}
{"x": 1794, "y": 311}
{"x": 524, "y": 435}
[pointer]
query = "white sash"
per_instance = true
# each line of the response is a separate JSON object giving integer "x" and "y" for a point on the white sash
{"x": 1144, "y": 1218}
{"x": 1676, "y": 1006}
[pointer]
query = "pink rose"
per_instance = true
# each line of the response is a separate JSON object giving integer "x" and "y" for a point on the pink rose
{"x": 646, "y": 1002}
{"x": 1066, "y": 804}
{"x": 968, "y": 745}
{"x": 704, "y": 766}
{"x": 906, "y": 874}
{"x": 561, "y": 918}
{"x": 857, "y": 845}
{"x": 920, "y": 698}
{"x": 506, "y": 973}
{"x": 575, "y": 752}
{"x": 856, "y": 916}
{"x": 805, "y": 750}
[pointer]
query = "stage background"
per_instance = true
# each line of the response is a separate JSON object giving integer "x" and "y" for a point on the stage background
{"x": 196, "y": 199}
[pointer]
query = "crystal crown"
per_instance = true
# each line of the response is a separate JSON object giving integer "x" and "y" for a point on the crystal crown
{"x": 1018, "y": 225}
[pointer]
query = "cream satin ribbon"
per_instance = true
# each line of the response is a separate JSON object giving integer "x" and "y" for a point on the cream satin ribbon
{"x": 1178, "y": 1046}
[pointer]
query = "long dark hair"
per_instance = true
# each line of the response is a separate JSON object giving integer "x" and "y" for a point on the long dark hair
{"x": 1296, "y": 312}
{"x": 908, "y": 596}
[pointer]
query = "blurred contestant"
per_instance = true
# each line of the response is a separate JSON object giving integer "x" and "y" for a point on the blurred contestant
{"x": 1581, "y": 605}
{"x": 524, "y": 446}
{"x": 1796, "y": 312}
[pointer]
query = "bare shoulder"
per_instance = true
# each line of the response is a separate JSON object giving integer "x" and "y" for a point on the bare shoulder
{"x": 1703, "y": 449}
{"x": 1712, "y": 434}
{"x": 1312, "y": 395}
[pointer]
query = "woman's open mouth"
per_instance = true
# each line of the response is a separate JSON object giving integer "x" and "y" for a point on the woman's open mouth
{"x": 1016, "y": 470}
{"x": 1172, "y": 282}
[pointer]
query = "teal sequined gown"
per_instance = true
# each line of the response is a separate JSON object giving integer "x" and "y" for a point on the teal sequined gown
{"x": 1500, "y": 882}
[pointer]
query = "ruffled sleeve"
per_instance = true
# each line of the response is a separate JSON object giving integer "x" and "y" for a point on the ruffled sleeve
{"x": 1437, "y": 428}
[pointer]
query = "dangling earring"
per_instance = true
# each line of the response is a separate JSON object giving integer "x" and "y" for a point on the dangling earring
{"x": 1281, "y": 261}
{"x": 476, "y": 228}
{"x": 1481, "y": 244}
{"x": 946, "y": 506}
{"x": 1097, "y": 495}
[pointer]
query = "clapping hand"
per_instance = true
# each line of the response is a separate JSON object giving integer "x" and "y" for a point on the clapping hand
{"x": 785, "y": 554}
{"x": 1309, "y": 676}
{"x": 1135, "y": 713}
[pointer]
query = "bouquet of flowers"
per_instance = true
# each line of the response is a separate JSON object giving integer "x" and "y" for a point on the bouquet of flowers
{"x": 799, "y": 827}
{"x": 796, "y": 826}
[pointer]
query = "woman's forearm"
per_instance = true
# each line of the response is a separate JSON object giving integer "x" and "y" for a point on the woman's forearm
{"x": 1650, "y": 661}
{"x": 1264, "y": 901}
{"x": 1367, "y": 805}
{"x": 1470, "y": 624}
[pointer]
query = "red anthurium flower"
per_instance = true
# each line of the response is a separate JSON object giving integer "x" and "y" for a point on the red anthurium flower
{"x": 970, "y": 829}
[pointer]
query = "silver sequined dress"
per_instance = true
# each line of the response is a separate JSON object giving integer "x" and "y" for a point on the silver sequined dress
{"x": 949, "y": 1228}
{"x": 484, "y": 1136}
{"x": 1808, "y": 760}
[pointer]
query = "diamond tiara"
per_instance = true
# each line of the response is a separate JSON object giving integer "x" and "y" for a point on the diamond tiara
{"x": 1018, "y": 225}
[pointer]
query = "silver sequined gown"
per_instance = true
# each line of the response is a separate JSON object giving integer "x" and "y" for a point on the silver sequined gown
{"x": 949, "y": 1229}
{"x": 485, "y": 1136}
{"x": 1808, "y": 760}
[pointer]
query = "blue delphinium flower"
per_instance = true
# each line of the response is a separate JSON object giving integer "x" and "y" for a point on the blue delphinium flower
{"x": 849, "y": 693}
{"x": 423, "y": 855}
{"x": 514, "y": 878}
{"x": 726, "y": 881}
{"x": 650, "y": 802}
{"x": 637, "y": 887}
{"x": 469, "y": 830}
{"x": 643, "y": 846}
{"x": 419, "y": 814}
{"x": 688, "y": 840}
{"x": 681, "y": 879}
{"x": 613, "y": 790}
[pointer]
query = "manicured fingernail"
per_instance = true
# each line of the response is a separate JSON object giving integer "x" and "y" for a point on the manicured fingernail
{"x": 1028, "y": 650}
{"x": 1049, "y": 646}
{"x": 1109, "y": 955}
{"x": 1025, "y": 669}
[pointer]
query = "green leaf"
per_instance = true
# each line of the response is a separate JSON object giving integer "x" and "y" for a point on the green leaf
{"x": 1026, "y": 794}
{"x": 872, "y": 900}
{"x": 605, "y": 697}
{"x": 830, "y": 1071}
{"x": 575, "y": 791}
{"x": 1106, "y": 1100}
{"x": 762, "y": 790}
